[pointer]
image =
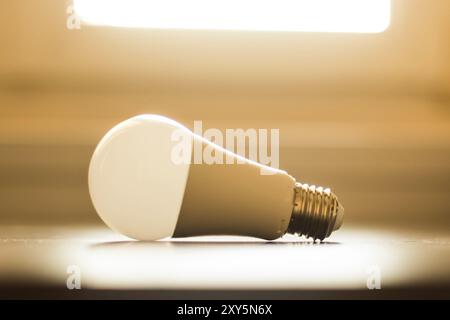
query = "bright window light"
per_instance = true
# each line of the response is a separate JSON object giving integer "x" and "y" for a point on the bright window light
{"x": 361, "y": 16}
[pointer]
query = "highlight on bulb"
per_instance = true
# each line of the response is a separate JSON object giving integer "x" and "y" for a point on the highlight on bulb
{"x": 238, "y": 146}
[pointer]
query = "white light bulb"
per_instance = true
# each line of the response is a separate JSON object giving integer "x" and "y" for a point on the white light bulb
{"x": 140, "y": 191}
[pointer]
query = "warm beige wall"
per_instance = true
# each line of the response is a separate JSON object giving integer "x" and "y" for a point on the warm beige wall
{"x": 366, "y": 114}
{"x": 411, "y": 55}
{"x": 65, "y": 79}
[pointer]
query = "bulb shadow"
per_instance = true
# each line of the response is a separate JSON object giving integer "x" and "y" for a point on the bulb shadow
{"x": 206, "y": 244}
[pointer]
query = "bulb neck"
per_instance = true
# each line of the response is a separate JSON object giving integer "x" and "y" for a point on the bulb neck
{"x": 316, "y": 213}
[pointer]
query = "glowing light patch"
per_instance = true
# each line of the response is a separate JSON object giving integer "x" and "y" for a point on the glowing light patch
{"x": 355, "y": 16}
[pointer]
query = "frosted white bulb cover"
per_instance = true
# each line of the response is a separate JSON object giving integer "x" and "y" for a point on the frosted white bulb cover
{"x": 135, "y": 187}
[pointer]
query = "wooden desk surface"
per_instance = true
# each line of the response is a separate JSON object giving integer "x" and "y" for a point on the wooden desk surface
{"x": 34, "y": 262}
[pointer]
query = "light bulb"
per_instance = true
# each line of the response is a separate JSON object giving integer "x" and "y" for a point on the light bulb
{"x": 140, "y": 191}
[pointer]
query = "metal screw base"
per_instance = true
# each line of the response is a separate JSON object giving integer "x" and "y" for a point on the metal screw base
{"x": 315, "y": 212}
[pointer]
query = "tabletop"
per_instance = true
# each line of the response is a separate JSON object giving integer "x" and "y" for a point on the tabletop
{"x": 93, "y": 261}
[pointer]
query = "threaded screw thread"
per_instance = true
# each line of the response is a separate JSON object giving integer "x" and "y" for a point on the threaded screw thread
{"x": 315, "y": 212}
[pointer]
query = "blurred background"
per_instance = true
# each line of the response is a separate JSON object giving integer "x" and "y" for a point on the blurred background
{"x": 365, "y": 114}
